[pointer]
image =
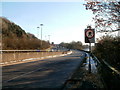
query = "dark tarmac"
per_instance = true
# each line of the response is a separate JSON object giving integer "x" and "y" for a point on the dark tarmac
{"x": 47, "y": 73}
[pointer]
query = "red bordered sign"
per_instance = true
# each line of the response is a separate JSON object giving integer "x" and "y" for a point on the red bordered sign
{"x": 89, "y": 33}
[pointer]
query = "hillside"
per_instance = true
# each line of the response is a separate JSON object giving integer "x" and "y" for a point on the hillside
{"x": 14, "y": 37}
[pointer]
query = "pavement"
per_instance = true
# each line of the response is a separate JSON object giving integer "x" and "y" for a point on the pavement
{"x": 46, "y": 73}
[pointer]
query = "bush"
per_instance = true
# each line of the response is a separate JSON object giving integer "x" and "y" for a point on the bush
{"x": 108, "y": 48}
{"x": 72, "y": 45}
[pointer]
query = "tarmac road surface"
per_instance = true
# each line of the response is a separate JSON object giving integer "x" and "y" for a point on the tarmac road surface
{"x": 47, "y": 73}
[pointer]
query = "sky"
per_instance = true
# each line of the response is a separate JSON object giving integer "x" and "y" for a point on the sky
{"x": 63, "y": 21}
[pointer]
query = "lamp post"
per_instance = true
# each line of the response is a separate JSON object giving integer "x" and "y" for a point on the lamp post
{"x": 49, "y": 38}
{"x": 41, "y": 33}
{"x": 38, "y": 32}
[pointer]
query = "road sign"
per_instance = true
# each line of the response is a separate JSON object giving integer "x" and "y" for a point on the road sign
{"x": 90, "y": 33}
{"x": 89, "y": 36}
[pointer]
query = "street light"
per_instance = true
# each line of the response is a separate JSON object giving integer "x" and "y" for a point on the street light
{"x": 49, "y": 38}
{"x": 38, "y": 32}
{"x": 41, "y": 33}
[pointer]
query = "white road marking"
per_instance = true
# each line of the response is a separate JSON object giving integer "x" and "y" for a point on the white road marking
{"x": 22, "y": 75}
{"x": 33, "y": 70}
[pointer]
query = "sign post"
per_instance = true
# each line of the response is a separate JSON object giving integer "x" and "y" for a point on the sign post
{"x": 89, "y": 38}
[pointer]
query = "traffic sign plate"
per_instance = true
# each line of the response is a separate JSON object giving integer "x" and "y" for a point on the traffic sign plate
{"x": 89, "y": 33}
{"x": 89, "y": 36}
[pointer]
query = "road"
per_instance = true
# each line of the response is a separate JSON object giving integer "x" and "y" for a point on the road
{"x": 47, "y": 73}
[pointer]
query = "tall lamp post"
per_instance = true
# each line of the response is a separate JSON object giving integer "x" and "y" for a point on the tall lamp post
{"x": 41, "y": 33}
{"x": 49, "y": 38}
{"x": 38, "y": 32}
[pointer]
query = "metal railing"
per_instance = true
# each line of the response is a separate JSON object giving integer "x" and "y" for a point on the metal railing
{"x": 112, "y": 68}
{"x": 10, "y": 56}
{"x": 109, "y": 74}
{"x": 10, "y": 51}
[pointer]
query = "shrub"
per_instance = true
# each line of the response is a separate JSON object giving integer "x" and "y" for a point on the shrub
{"x": 108, "y": 48}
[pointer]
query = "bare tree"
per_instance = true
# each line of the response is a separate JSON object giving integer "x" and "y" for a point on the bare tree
{"x": 106, "y": 14}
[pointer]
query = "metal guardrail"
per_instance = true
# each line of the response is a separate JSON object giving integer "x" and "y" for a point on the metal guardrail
{"x": 10, "y": 56}
{"x": 112, "y": 68}
{"x": 103, "y": 61}
{"x": 95, "y": 58}
{"x": 13, "y": 51}
{"x": 109, "y": 66}
{"x": 24, "y": 50}
{"x": 109, "y": 74}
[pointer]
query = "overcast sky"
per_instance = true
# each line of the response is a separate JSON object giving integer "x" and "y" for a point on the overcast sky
{"x": 63, "y": 21}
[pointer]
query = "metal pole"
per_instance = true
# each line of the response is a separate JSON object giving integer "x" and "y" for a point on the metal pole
{"x": 41, "y": 36}
{"x": 49, "y": 38}
{"x": 38, "y": 32}
{"x": 41, "y": 33}
{"x": 89, "y": 57}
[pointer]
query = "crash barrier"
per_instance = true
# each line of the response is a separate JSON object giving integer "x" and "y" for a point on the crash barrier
{"x": 19, "y": 55}
{"x": 109, "y": 74}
